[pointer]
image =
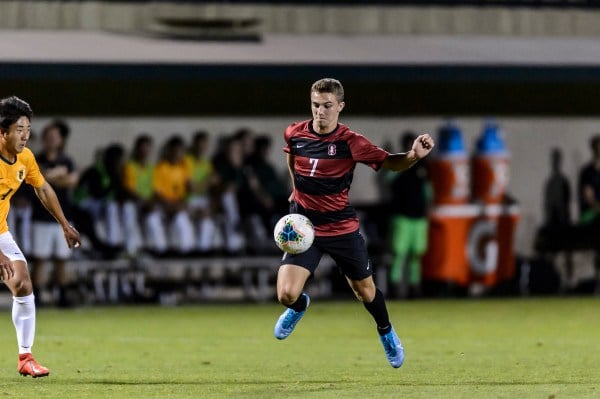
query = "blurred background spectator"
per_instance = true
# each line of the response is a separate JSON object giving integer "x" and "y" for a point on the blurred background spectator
{"x": 557, "y": 205}
{"x": 144, "y": 228}
{"x": 589, "y": 186}
{"x": 410, "y": 200}
{"x": 589, "y": 199}
{"x": 264, "y": 194}
{"x": 99, "y": 195}
{"x": 228, "y": 163}
{"x": 203, "y": 181}
{"x": 557, "y": 193}
{"x": 48, "y": 237}
{"x": 172, "y": 184}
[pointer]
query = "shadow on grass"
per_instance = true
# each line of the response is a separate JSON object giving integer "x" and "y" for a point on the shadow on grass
{"x": 331, "y": 383}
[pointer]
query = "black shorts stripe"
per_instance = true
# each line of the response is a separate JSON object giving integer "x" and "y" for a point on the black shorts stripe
{"x": 320, "y": 149}
{"x": 320, "y": 218}
{"x": 322, "y": 186}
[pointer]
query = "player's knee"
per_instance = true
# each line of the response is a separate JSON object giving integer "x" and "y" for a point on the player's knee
{"x": 21, "y": 287}
{"x": 365, "y": 294}
{"x": 287, "y": 297}
{"x": 360, "y": 297}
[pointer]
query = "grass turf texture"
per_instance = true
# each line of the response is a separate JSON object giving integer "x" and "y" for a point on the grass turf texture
{"x": 533, "y": 348}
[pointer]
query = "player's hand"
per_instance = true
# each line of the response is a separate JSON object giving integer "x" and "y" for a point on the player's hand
{"x": 72, "y": 236}
{"x": 7, "y": 271}
{"x": 423, "y": 145}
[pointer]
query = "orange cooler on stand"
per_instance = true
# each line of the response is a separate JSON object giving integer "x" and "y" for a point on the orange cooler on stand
{"x": 489, "y": 166}
{"x": 471, "y": 231}
{"x": 449, "y": 169}
{"x": 446, "y": 259}
{"x": 491, "y": 248}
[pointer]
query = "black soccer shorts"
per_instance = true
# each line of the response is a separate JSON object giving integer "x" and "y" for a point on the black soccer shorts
{"x": 349, "y": 251}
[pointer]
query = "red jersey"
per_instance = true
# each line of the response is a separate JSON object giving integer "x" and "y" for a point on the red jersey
{"x": 323, "y": 171}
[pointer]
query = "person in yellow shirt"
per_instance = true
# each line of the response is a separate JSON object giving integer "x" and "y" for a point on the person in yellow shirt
{"x": 171, "y": 184}
{"x": 18, "y": 165}
{"x": 139, "y": 208}
{"x": 203, "y": 180}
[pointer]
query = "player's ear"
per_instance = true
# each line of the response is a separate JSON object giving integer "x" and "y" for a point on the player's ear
{"x": 341, "y": 106}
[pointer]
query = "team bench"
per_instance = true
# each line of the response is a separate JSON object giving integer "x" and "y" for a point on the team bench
{"x": 174, "y": 280}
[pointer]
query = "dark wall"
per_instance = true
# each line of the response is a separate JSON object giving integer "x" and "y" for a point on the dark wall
{"x": 145, "y": 90}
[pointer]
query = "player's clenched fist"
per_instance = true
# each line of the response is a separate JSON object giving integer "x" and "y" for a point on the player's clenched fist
{"x": 72, "y": 236}
{"x": 423, "y": 145}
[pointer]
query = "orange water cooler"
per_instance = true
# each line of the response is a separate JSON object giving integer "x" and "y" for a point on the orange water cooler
{"x": 471, "y": 230}
{"x": 445, "y": 259}
{"x": 490, "y": 245}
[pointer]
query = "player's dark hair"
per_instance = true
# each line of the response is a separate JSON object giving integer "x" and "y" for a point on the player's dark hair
{"x": 63, "y": 129}
{"x": 170, "y": 146}
{"x": 175, "y": 142}
{"x": 113, "y": 153}
{"x": 112, "y": 159}
{"x": 141, "y": 140}
{"x": 262, "y": 141}
{"x": 556, "y": 158}
{"x": 329, "y": 85}
{"x": 242, "y": 132}
{"x": 11, "y": 109}
{"x": 199, "y": 135}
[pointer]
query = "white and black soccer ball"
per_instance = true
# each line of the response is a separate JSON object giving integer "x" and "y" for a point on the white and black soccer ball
{"x": 294, "y": 233}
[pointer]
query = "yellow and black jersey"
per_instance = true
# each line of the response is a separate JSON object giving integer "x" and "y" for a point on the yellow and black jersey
{"x": 12, "y": 174}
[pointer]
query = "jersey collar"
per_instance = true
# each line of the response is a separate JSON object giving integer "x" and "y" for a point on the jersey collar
{"x": 312, "y": 130}
{"x": 7, "y": 161}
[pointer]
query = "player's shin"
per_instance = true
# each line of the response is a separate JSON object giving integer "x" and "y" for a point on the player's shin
{"x": 23, "y": 315}
{"x": 378, "y": 310}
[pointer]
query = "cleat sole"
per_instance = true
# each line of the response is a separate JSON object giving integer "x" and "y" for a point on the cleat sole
{"x": 34, "y": 376}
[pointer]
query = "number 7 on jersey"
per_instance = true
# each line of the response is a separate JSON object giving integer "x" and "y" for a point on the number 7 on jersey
{"x": 314, "y": 162}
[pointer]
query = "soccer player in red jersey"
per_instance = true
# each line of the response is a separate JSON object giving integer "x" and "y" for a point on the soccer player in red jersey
{"x": 321, "y": 155}
{"x": 18, "y": 165}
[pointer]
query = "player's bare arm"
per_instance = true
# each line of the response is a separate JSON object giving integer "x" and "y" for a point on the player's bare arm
{"x": 48, "y": 197}
{"x": 422, "y": 146}
{"x": 290, "y": 163}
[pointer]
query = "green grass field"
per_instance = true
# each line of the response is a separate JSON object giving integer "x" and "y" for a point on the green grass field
{"x": 531, "y": 348}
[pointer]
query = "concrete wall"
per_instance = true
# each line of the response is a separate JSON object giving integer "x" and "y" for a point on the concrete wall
{"x": 530, "y": 141}
{"x": 138, "y": 17}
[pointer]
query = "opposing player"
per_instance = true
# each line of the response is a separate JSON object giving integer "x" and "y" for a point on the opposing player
{"x": 321, "y": 156}
{"x": 17, "y": 164}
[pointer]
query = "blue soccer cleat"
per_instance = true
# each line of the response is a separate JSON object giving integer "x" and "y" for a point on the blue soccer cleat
{"x": 288, "y": 320}
{"x": 393, "y": 348}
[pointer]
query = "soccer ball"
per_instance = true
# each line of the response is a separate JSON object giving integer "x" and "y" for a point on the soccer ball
{"x": 294, "y": 233}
